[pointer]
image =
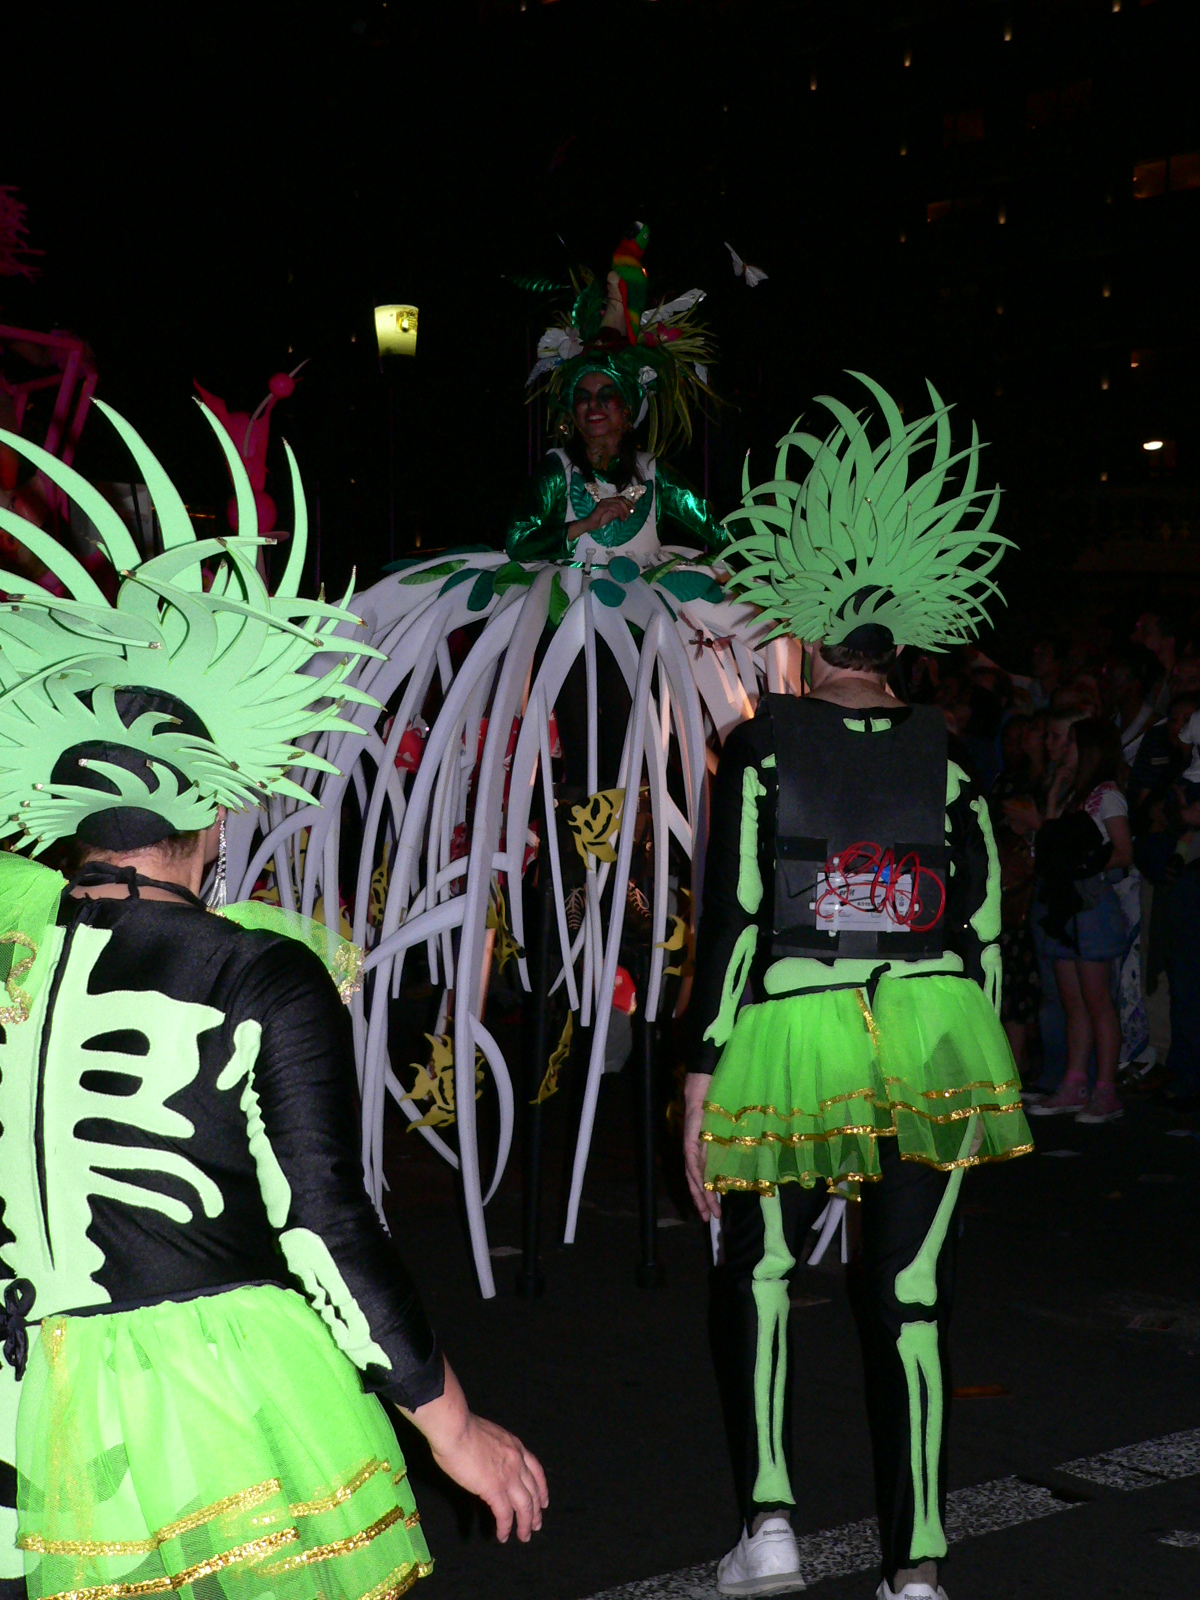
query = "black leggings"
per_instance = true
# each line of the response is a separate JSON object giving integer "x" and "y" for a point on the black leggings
{"x": 900, "y": 1280}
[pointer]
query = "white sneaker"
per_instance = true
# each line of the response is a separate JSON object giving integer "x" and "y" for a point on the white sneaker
{"x": 767, "y": 1563}
{"x": 910, "y": 1591}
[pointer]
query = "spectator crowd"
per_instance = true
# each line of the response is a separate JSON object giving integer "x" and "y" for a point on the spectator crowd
{"x": 1091, "y": 760}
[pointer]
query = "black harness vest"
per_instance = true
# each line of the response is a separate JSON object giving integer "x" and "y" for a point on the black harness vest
{"x": 860, "y": 831}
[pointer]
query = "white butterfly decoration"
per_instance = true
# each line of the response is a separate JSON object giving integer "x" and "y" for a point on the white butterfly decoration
{"x": 743, "y": 269}
{"x": 554, "y": 347}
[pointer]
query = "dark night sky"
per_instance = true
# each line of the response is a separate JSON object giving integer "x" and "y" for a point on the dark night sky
{"x": 220, "y": 192}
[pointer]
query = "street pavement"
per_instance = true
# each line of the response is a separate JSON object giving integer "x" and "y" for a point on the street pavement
{"x": 1076, "y": 1336}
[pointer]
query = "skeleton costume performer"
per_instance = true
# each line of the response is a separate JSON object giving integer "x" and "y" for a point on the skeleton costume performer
{"x": 656, "y": 359}
{"x": 847, "y": 973}
{"x": 201, "y": 1309}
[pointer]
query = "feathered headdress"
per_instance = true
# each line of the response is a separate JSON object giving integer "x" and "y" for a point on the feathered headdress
{"x": 126, "y": 723}
{"x": 861, "y": 543}
{"x": 657, "y": 358}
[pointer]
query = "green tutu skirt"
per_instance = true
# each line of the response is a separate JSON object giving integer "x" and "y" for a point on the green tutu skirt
{"x": 223, "y": 1442}
{"x": 807, "y": 1085}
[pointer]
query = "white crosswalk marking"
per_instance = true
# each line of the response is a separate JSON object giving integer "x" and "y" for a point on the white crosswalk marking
{"x": 1137, "y": 1466}
{"x": 983, "y": 1508}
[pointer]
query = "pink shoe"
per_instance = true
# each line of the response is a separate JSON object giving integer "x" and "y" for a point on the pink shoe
{"x": 1072, "y": 1097}
{"x": 1104, "y": 1106}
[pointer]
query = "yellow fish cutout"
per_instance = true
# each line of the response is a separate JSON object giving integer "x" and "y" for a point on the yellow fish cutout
{"x": 549, "y": 1083}
{"x": 507, "y": 948}
{"x": 269, "y": 895}
{"x": 436, "y": 1082}
{"x": 379, "y": 888}
{"x": 594, "y": 823}
{"x": 680, "y": 938}
{"x": 344, "y": 928}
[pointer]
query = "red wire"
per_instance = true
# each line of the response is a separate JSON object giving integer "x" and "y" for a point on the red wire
{"x": 864, "y": 857}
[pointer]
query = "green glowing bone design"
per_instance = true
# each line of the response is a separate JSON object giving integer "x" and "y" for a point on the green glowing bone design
{"x": 992, "y": 963}
{"x": 736, "y": 972}
{"x": 955, "y": 779}
{"x": 916, "y": 1285}
{"x": 918, "y": 1347}
{"x": 305, "y": 1252}
{"x": 986, "y": 921}
{"x": 51, "y": 1245}
{"x": 750, "y": 885}
{"x": 771, "y": 1356}
{"x": 308, "y": 1257}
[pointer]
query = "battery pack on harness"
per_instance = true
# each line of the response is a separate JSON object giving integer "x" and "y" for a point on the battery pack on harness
{"x": 860, "y": 848}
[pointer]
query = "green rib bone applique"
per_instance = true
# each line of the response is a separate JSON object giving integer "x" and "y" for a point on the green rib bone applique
{"x": 48, "y": 1205}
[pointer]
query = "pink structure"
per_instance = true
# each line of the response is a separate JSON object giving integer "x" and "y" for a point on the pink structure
{"x": 72, "y": 373}
{"x": 250, "y": 434}
{"x": 56, "y": 361}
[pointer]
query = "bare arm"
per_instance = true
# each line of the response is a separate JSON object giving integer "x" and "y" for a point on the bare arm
{"x": 695, "y": 1091}
{"x": 484, "y": 1459}
{"x": 1122, "y": 841}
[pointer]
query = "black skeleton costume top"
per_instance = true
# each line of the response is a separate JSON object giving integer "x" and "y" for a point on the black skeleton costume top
{"x": 180, "y": 1116}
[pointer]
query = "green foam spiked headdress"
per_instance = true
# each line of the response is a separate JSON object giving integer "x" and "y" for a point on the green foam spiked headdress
{"x": 141, "y": 717}
{"x": 857, "y": 545}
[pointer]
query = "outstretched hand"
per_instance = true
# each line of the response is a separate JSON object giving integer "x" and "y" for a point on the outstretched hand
{"x": 695, "y": 1092}
{"x": 485, "y": 1459}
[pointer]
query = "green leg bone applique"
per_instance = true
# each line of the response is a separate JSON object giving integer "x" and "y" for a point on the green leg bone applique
{"x": 921, "y": 1359}
{"x": 770, "y": 1363}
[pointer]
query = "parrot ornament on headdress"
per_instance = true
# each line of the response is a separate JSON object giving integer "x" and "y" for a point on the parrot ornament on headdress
{"x": 627, "y": 286}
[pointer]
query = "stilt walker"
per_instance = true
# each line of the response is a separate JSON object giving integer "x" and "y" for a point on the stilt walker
{"x": 846, "y": 998}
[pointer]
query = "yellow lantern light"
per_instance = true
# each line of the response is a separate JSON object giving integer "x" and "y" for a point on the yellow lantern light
{"x": 396, "y": 330}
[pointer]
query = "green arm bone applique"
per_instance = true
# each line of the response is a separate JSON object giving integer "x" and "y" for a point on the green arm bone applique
{"x": 305, "y": 1252}
{"x": 733, "y": 891}
{"x": 292, "y": 1064}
